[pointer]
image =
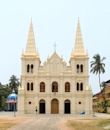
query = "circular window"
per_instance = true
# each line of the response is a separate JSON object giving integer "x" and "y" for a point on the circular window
{"x": 29, "y": 102}
{"x": 79, "y": 102}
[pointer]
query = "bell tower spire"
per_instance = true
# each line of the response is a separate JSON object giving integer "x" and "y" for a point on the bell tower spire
{"x": 79, "y": 47}
{"x": 30, "y": 47}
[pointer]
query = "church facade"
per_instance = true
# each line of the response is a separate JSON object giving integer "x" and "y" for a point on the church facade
{"x": 55, "y": 87}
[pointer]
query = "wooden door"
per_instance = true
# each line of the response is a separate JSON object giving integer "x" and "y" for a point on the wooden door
{"x": 54, "y": 106}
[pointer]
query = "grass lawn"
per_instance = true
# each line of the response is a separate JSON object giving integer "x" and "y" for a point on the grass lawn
{"x": 96, "y": 124}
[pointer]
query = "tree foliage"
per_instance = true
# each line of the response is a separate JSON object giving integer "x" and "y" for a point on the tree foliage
{"x": 97, "y": 66}
{"x": 7, "y": 89}
{"x": 14, "y": 83}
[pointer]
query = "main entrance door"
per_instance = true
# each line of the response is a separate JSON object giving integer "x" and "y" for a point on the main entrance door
{"x": 42, "y": 106}
{"x": 67, "y": 107}
{"x": 54, "y": 106}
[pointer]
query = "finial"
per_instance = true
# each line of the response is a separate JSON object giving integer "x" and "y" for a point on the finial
{"x": 31, "y": 19}
{"x": 55, "y": 47}
{"x": 31, "y": 24}
{"x": 78, "y": 24}
{"x": 78, "y": 19}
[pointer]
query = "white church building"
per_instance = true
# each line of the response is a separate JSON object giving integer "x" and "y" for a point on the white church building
{"x": 55, "y": 87}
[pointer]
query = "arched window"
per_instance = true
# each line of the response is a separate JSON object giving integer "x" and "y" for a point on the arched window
{"x": 28, "y": 86}
{"x": 81, "y": 86}
{"x": 32, "y": 86}
{"x": 28, "y": 67}
{"x": 54, "y": 87}
{"x": 77, "y": 87}
{"x": 32, "y": 67}
{"x": 67, "y": 87}
{"x": 77, "y": 68}
{"x": 42, "y": 87}
{"x": 81, "y": 68}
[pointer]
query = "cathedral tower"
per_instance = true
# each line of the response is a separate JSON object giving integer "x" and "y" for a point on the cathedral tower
{"x": 30, "y": 64}
{"x": 79, "y": 63}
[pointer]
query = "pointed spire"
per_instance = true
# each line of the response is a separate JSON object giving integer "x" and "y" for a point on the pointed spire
{"x": 79, "y": 47}
{"x": 30, "y": 47}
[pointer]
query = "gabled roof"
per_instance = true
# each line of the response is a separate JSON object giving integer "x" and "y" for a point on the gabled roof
{"x": 55, "y": 58}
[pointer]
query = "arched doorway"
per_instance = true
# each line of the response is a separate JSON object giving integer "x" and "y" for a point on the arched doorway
{"x": 67, "y": 106}
{"x": 42, "y": 106}
{"x": 54, "y": 106}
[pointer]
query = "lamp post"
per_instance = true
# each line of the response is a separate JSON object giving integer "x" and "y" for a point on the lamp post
{"x": 14, "y": 103}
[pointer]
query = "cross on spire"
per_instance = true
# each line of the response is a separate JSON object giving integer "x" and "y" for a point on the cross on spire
{"x": 55, "y": 47}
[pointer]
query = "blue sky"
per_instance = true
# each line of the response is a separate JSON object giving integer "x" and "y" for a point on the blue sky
{"x": 53, "y": 21}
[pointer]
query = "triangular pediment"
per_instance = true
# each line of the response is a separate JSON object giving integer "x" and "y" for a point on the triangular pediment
{"x": 55, "y": 58}
{"x": 54, "y": 64}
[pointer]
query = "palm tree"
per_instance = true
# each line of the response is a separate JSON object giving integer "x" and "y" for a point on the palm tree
{"x": 97, "y": 66}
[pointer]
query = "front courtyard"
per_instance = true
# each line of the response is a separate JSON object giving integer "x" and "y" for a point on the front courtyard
{"x": 98, "y": 121}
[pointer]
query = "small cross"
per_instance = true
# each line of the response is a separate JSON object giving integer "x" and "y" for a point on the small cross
{"x": 55, "y": 47}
